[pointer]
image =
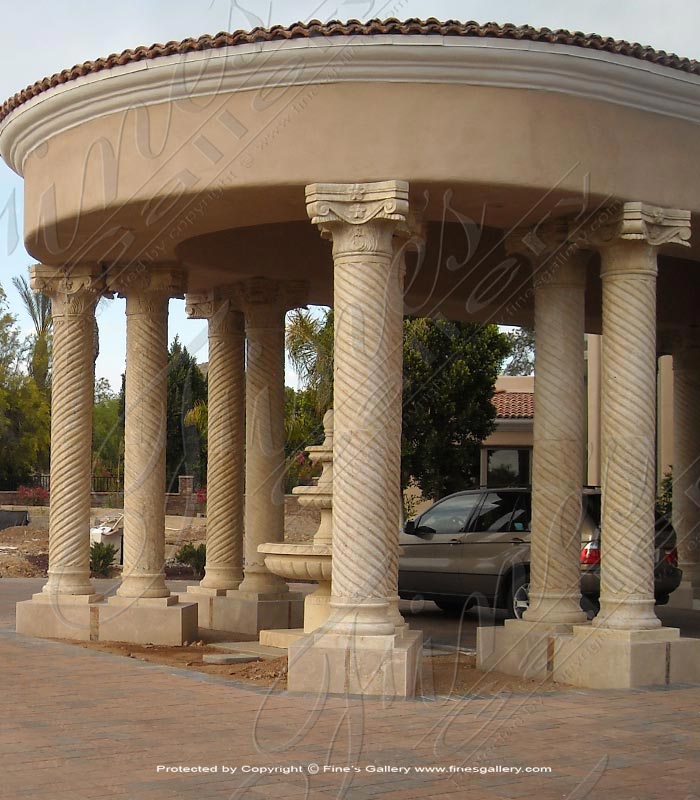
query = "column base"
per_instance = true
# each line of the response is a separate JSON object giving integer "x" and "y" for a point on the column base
{"x": 600, "y": 658}
{"x": 520, "y": 648}
{"x": 147, "y": 620}
{"x": 59, "y": 616}
{"x": 317, "y": 609}
{"x": 282, "y": 638}
{"x": 247, "y": 612}
{"x": 371, "y": 666}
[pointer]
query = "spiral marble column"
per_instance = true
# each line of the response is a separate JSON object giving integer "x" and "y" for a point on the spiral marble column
{"x": 628, "y": 243}
{"x": 264, "y": 303}
{"x": 559, "y": 278}
{"x": 147, "y": 295}
{"x": 74, "y": 294}
{"x": 226, "y": 427}
{"x": 368, "y": 313}
{"x": 686, "y": 458}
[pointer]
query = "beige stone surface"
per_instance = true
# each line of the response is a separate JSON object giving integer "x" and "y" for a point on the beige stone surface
{"x": 74, "y": 294}
{"x": 226, "y": 438}
{"x": 311, "y": 562}
{"x": 686, "y": 467}
{"x": 519, "y": 648}
{"x": 59, "y": 616}
{"x": 361, "y": 220}
{"x": 622, "y": 659}
{"x": 557, "y": 462}
{"x": 147, "y": 295}
{"x": 628, "y": 238}
{"x": 264, "y": 303}
{"x": 249, "y": 612}
{"x": 148, "y": 621}
{"x": 383, "y": 666}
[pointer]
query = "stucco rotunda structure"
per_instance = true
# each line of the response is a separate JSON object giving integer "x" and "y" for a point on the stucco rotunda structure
{"x": 483, "y": 173}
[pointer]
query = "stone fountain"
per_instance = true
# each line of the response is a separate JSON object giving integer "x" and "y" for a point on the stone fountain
{"x": 302, "y": 561}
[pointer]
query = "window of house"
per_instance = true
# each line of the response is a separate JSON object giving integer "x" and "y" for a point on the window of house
{"x": 508, "y": 467}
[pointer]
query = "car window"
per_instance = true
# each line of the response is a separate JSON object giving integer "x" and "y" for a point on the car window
{"x": 496, "y": 513}
{"x": 522, "y": 516}
{"x": 449, "y": 516}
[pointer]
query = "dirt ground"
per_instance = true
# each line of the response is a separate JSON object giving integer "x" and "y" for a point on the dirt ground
{"x": 24, "y": 549}
{"x": 451, "y": 675}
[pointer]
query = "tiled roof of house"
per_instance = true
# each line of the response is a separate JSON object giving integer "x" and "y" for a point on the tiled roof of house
{"x": 514, "y": 405}
{"x": 411, "y": 27}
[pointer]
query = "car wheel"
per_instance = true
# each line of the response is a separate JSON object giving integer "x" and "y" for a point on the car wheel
{"x": 518, "y": 596}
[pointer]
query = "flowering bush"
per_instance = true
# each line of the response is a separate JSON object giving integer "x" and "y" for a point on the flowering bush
{"x": 33, "y": 495}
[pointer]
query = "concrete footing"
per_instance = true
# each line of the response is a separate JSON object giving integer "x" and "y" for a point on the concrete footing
{"x": 246, "y": 612}
{"x": 149, "y": 620}
{"x": 281, "y": 638}
{"x": 372, "y": 666}
{"x": 599, "y": 658}
{"x": 59, "y": 616}
{"x": 590, "y": 657}
{"x": 518, "y": 648}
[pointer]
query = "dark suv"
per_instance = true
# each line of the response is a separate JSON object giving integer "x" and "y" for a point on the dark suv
{"x": 473, "y": 548}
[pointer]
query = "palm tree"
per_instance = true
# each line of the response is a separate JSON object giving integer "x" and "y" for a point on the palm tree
{"x": 309, "y": 340}
{"x": 38, "y": 307}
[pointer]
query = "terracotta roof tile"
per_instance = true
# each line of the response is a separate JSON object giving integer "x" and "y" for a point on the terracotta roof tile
{"x": 514, "y": 405}
{"x": 410, "y": 27}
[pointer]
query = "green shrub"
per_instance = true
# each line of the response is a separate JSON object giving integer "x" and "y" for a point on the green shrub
{"x": 193, "y": 556}
{"x": 101, "y": 558}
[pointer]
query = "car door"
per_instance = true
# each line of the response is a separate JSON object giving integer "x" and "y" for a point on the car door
{"x": 431, "y": 559}
{"x": 498, "y": 536}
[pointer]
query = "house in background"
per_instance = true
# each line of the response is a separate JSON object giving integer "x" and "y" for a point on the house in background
{"x": 506, "y": 455}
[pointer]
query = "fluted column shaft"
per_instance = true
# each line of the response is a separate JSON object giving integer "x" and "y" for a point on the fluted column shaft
{"x": 145, "y": 434}
{"x": 368, "y": 315}
{"x": 628, "y": 407}
{"x": 558, "y": 442}
{"x": 74, "y": 295}
{"x": 226, "y": 440}
{"x": 264, "y": 304}
{"x": 686, "y": 460}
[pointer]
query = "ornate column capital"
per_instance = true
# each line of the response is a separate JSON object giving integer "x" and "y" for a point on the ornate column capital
{"x": 555, "y": 258}
{"x": 219, "y": 307}
{"x": 144, "y": 287}
{"x": 73, "y": 290}
{"x": 259, "y": 298}
{"x": 537, "y": 242}
{"x": 360, "y": 217}
{"x": 632, "y": 222}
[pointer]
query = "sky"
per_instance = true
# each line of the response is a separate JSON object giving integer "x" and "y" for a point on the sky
{"x": 41, "y": 37}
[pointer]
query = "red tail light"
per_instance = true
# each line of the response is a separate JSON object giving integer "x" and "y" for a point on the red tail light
{"x": 590, "y": 554}
{"x": 672, "y": 556}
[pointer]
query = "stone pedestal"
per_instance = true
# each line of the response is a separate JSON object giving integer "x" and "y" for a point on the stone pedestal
{"x": 519, "y": 648}
{"x": 624, "y": 659}
{"x": 384, "y": 666}
{"x": 147, "y": 620}
{"x": 249, "y": 612}
{"x": 59, "y": 616}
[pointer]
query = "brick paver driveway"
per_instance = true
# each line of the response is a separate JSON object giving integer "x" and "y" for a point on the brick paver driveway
{"x": 81, "y": 724}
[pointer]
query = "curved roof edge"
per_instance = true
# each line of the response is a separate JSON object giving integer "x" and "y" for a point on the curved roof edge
{"x": 410, "y": 27}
